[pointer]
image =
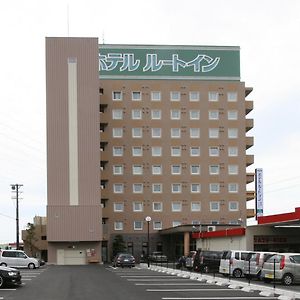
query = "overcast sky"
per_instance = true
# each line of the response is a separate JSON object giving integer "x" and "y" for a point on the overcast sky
{"x": 267, "y": 31}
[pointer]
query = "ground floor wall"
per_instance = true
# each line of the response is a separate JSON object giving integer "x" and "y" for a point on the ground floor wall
{"x": 74, "y": 253}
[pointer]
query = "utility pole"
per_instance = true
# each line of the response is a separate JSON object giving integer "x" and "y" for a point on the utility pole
{"x": 15, "y": 188}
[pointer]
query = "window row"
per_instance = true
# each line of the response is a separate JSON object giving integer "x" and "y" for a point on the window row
{"x": 213, "y": 133}
{"x": 175, "y": 169}
{"x": 174, "y": 151}
{"x": 138, "y": 188}
{"x": 175, "y": 96}
{"x": 138, "y": 206}
{"x": 175, "y": 114}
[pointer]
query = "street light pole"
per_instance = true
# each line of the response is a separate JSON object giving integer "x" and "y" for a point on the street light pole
{"x": 15, "y": 187}
{"x": 148, "y": 220}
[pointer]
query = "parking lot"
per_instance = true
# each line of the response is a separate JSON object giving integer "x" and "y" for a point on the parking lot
{"x": 106, "y": 282}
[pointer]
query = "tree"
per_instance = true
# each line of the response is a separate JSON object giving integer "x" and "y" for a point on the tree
{"x": 30, "y": 236}
{"x": 118, "y": 244}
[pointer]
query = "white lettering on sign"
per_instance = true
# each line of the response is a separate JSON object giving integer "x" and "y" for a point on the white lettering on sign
{"x": 127, "y": 62}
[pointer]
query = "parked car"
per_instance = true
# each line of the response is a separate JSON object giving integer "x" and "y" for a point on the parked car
{"x": 287, "y": 268}
{"x": 124, "y": 260}
{"x": 17, "y": 259}
{"x": 189, "y": 261}
{"x": 158, "y": 256}
{"x": 207, "y": 261}
{"x": 9, "y": 276}
{"x": 232, "y": 262}
{"x": 254, "y": 262}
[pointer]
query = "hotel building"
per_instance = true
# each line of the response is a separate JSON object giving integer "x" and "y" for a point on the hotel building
{"x": 143, "y": 130}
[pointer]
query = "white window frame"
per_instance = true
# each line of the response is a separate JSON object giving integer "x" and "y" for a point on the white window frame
{"x": 137, "y": 132}
{"x": 117, "y": 114}
{"x": 137, "y": 188}
{"x": 140, "y": 227}
{"x": 118, "y": 188}
{"x": 173, "y": 172}
{"x": 157, "y": 203}
{"x": 232, "y": 96}
{"x": 233, "y": 133}
{"x": 194, "y": 114}
{"x": 118, "y": 169}
{"x": 233, "y": 151}
{"x": 175, "y": 133}
{"x": 197, "y": 170}
{"x": 233, "y": 187}
{"x": 136, "y": 114}
{"x": 134, "y": 94}
{"x": 194, "y": 133}
{"x": 116, "y": 149}
{"x": 176, "y": 206}
{"x": 175, "y": 114}
{"x": 195, "y": 151}
{"x": 194, "y": 96}
{"x": 137, "y": 206}
{"x": 175, "y": 96}
{"x": 174, "y": 149}
{"x": 135, "y": 148}
{"x": 213, "y": 114}
{"x": 232, "y": 114}
{"x": 195, "y": 188}
{"x": 115, "y": 93}
{"x": 178, "y": 189}
{"x": 118, "y": 225}
{"x": 213, "y": 96}
{"x": 212, "y": 204}
{"x": 156, "y": 114}
{"x": 214, "y": 188}
{"x": 214, "y": 169}
{"x": 176, "y": 223}
{"x": 156, "y": 151}
{"x": 156, "y": 169}
{"x": 155, "y": 223}
{"x": 233, "y": 169}
{"x": 214, "y": 151}
{"x": 156, "y": 133}
{"x": 155, "y": 186}
{"x": 120, "y": 209}
{"x": 117, "y": 132}
{"x": 137, "y": 169}
{"x": 213, "y": 133}
{"x": 232, "y": 203}
{"x": 195, "y": 206}
{"x": 154, "y": 95}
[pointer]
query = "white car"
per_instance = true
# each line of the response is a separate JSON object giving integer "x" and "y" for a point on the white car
{"x": 17, "y": 259}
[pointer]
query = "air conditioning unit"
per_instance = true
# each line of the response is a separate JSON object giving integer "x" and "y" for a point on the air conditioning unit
{"x": 211, "y": 228}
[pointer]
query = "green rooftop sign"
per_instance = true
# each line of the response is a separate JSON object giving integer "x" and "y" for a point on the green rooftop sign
{"x": 169, "y": 62}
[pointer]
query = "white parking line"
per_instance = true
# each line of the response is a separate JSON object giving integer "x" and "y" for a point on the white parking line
{"x": 194, "y": 284}
{"x": 185, "y": 290}
{"x": 147, "y": 276}
{"x": 8, "y": 289}
{"x": 218, "y": 298}
{"x": 160, "y": 279}
{"x": 27, "y": 279}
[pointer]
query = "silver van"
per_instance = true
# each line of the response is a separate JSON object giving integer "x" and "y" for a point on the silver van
{"x": 282, "y": 266}
{"x": 17, "y": 259}
{"x": 232, "y": 262}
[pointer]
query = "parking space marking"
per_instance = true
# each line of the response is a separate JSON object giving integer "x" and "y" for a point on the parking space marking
{"x": 146, "y": 276}
{"x": 160, "y": 279}
{"x": 184, "y": 284}
{"x": 185, "y": 290}
{"x": 217, "y": 298}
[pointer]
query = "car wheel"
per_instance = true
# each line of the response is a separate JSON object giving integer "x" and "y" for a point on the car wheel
{"x": 237, "y": 273}
{"x": 3, "y": 264}
{"x": 31, "y": 266}
{"x": 287, "y": 279}
{"x": 1, "y": 281}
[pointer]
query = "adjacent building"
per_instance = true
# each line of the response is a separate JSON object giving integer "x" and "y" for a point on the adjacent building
{"x": 143, "y": 130}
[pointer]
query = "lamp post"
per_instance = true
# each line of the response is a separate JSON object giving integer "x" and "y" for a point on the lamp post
{"x": 148, "y": 220}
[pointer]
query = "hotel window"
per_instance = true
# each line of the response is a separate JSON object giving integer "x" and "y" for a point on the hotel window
{"x": 176, "y": 187}
{"x": 137, "y": 188}
{"x": 156, "y": 170}
{"x": 194, "y": 96}
{"x": 118, "y": 169}
{"x": 213, "y": 115}
{"x": 137, "y": 206}
{"x": 136, "y": 96}
{"x": 233, "y": 206}
{"x": 195, "y": 187}
{"x": 117, "y": 96}
{"x": 195, "y": 170}
{"x": 232, "y": 133}
{"x": 137, "y": 151}
{"x": 233, "y": 187}
{"x": 117, "y": 132}
{"x": 213, "y": 151}
{"x": 175, "y": 151}
{"x": 118, "y": 225}
{"x": 118, "y": 188}
{"x": 117, "y": 151}
{"x": 155, "y": 114}
{"x": 196, "y": 222}
{"x": 157, "y": 206}
{"x": 137, "y": 170}
{"x": 214, "y": 187}
{"x": 233, "y": 169}
{"x": 232, "y": 114}
{"x": 136, "y": 114}
{"x": 213, "y": 96}
{"x": 176, "y": 206}
{"x": 232, "y": 151}
{"x": 175, "y": 96}
{"x": 195, "y": 206}
{"x": 176, "y": 223}
{"x": 175, "y": 132}
{"x": 156, "y": 188}
{"x": 214, "y": 170}
{"x": 156, "y": 133}
{"x": 137, "y": 132}
{"x": 194, "y": 133}
{"x": 156, "y": 151}
{"x": 194, "y": 114}
{"x": 118, "y": 207}
{"x": 176, "y": 169}
{"x": 175, "y": 114}
{"x": 195, "y": 151}
{"x": 214, "y": 206}
{"x": 232, "y": 96}
{"x": 213, "y": 133}
{"x": 117, "y": 114}
{"x": 138, "y": 225}
{"x": 157, "y": 225}
{"x": 155, "y": 96}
